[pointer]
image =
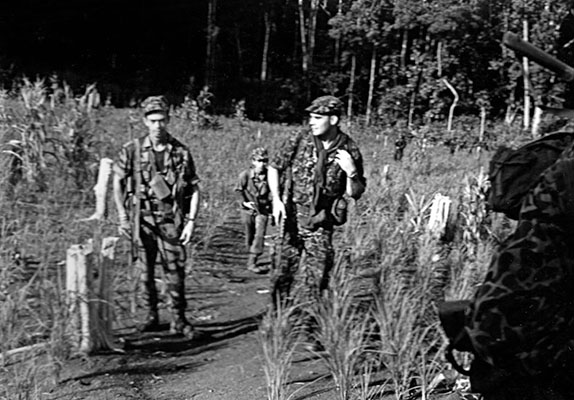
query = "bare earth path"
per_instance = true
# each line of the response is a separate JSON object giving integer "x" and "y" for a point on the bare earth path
{"x": 226, "y": 303}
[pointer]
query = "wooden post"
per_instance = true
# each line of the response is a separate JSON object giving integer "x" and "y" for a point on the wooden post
{"x": 89, "y": 295}
{"x": 440, "y": 210}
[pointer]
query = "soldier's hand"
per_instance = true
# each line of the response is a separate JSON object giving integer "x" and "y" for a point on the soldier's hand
{"x": 187, "y": 232}
{"x": 249, "y": 205}
{"x": 278, "y": 211}
{"x": 346, "y": 162}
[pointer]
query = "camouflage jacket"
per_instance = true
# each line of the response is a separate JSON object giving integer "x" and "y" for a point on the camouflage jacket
{"x": 299, "y": 153}
{"x": 177, "y": 170}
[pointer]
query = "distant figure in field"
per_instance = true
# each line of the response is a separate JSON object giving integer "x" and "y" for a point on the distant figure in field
{"x": 400, "y": 145}
{"x": 205, "y": 100}
{"x": 156, "y": 174}
{"x": 255, "y": 203}
{"x": 319, "y": 166}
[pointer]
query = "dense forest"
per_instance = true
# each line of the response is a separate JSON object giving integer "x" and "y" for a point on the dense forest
{"x": 386, "y": 59}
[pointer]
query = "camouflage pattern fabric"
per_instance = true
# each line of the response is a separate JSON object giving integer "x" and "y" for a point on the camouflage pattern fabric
{"x": 307, "y": 255}
{"x": 522, "y": 319}
{"x": 161, "y": 220}
{"x": 306, "y": 261}
{"x": 159, "y": 241}
{"x": 154, "y": 104}
{"x": 303, "y": 166}
{"x": 326, "y": 105}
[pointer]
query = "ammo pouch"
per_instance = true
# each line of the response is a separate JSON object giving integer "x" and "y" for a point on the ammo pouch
{"x": 159, "y": 187}
{"x": 452, "y": 316}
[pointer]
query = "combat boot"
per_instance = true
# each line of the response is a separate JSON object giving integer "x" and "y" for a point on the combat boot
{"x": 181, "y": 326}
{"x": 252, "y": 264}
{"x": 151, "y": 323}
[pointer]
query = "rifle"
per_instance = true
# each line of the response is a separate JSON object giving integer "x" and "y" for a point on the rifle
{"x": 539, "y": 56}
{"x": 136, "y": 211}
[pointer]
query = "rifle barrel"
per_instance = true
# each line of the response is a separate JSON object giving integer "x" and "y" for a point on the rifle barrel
{"x": 538, "y": 55}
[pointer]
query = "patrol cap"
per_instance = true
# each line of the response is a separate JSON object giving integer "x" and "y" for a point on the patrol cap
{"x": 326, "y": 105}
{"x": 155, "y": 104}
{"x": 259, "y": 154}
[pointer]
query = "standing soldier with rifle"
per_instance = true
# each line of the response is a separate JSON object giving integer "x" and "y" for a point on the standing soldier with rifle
{"x": 155, "y": 177}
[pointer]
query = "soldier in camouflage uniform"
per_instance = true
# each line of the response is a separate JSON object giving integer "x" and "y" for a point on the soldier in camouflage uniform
{"x": 319, "y": 167}
{"x": 168, "y": 188}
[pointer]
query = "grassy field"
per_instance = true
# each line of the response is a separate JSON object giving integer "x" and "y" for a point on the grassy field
{"x": 387, "y": 241}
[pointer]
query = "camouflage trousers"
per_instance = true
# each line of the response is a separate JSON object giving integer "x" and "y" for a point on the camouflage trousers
{"x": 159, "y": 242}
{"x": 301, "y": 270}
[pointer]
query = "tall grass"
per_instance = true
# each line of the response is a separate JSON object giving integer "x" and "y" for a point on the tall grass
{"x": 278, "y": 338}
{"x": 343, "y": 328}
{"x": 385, "y": 240}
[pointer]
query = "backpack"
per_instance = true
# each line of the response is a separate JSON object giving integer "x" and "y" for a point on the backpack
{"x": 512, "y": 172}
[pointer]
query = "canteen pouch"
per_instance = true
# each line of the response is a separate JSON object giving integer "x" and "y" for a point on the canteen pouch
{"x": 159, "y": 187}
{"x": 339, "y": 211}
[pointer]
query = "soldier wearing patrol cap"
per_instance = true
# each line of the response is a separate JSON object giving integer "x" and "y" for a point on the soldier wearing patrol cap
{"x": 320, "y": 168}
{"x": 156, "y": 175}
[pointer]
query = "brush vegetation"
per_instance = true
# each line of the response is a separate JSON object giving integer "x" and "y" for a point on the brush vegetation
{"x": 377, "y": 324}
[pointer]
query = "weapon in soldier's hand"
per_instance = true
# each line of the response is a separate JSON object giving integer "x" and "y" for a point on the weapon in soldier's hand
{"x": 136, "y": 207}
{"x": 539, "y": 56}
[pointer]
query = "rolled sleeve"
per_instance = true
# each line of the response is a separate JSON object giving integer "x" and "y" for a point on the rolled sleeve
{"x": 190, "y": 173}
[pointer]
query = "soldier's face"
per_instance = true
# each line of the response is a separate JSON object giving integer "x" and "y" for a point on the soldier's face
{"x": 259, "y": 165}
{"x": 321, "y": 124}
{"x": 156, "y": 123}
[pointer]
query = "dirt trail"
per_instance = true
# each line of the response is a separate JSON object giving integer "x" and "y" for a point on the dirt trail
{"x": 226, "y": 303}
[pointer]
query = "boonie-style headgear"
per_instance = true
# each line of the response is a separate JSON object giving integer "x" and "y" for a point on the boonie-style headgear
{"x": 326, "y": 105}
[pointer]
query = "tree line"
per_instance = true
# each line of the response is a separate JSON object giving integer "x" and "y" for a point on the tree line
{"x": 387, "y": 59}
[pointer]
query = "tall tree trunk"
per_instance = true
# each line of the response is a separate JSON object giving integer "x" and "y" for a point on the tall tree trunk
{"x": 303, "y": 34}
{"x": 211, "y": 35}
{"x": 351, "y": 88}
{"x": 439, "y": 58}
{"x": 337, "y": 55}
{"x": 404, "y": 48}
{"x": 239, "y": 52}
{"x": 371, "y": 84}
{"x": 312, "y": 29}
{"x": 264, "y": 58}
{"x": 526, "y": 80}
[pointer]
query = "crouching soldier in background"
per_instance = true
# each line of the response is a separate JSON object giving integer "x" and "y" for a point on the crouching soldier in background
{"x": 319, "y": 166}
{"x": 155, "y": 176}
{"x": 255, "y": 203}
